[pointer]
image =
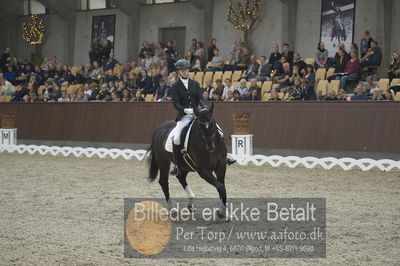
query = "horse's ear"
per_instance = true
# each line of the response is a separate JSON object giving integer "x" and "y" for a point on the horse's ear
{"x": 211, "y": 108}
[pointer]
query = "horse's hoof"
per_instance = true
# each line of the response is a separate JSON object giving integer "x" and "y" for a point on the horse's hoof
{"x": 174, "y": 171}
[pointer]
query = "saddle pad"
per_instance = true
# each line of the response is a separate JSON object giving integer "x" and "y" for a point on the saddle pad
{"x": 168, "y": 143}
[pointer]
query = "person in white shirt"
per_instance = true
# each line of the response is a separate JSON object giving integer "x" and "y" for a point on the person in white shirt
{"x": 6, "y": 88}
{"x": 228, "y": 88}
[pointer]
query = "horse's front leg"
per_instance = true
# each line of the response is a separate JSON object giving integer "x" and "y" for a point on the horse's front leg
{"x": 182, "y": 179}
{"x": 207, "y": 176}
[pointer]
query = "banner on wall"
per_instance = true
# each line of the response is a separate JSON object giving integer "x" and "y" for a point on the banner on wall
{"x": 103, "y": 30}
{"x": 337, "y": 24}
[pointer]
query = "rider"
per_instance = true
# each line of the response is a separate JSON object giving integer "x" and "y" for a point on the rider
{"x": 186, "y": 95}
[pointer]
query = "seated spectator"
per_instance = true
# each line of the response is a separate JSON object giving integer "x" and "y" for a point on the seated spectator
{"x": 126, "y": 95}
{"x": 81, "y": 97}
{"x": 340, "y": 64}
{"x": 307, "y": 91}
{"x": 96, "y": 73}
{"x": 217, "y": 97}
{"x": 110, "y": 62}
{"x": 34, "y": 97}
{"x": 206, "y": 96}
{"x": 371, "y": 86}
{"x": 228, "y": 88}
{"x": 373, "y": 56}
{"x": 115, "y": 97}
{"x": 170, "y": 51}
{"x": 208, "y": 88}
{"x": 236, "y": 96}
{"x": 295, "y": 74}
{"x": 6, "y": 88}
{"x": 145, "y": 83}
{"x": 64, "y": 97}
{"x": 138, "y": 97}
{"x": 359, "y": 94}
{"x": 10, "y": 75}
{"x": 254, "y": 96}
{"x": 163, "y": 92}
{"x": 219, "y": 87}
{"x": 321, "y": 56}
{"x": 284, "y": 79}
{"x": 20, "y": 92}
{"x": 99, "y": 94}
{"x": 279, "y": 66}
{"x": 274, "y": 96}
{"x": 145, "y": 48}
{"x": 107, "y": 97}
{"x": 243, "y": 90}
{"x": 212, "y": 44}
{"x": 49, "y": 91}
{"x": 287, "y": 53}
{"x": 309, "y": 74}
{"x": 264, "y": 71}
{"x": 366, "y": 42}
{"x": 274, "y": 57}
{"x": 191, "y": 58}
{"x": 394, "y": 68}
{"x": 238, "y": 44}
{"x": 252, "y": 69}
{"x": 172, "y": 78}
{"x": 149, "y": 61}
{"x": 217, "y": 62}
{"x": 297, "y": 60}
{"x": 351, "y": 70}
{"x": 159, "y": 49}
{"x": 294, "y": 91}
{"x": 74, "y": 97}
{"x": 342, "y": 48}
{"x": 254, "y": 86}
{"x": 354, "y": 48}
{"x": 229, "y": 96}
{"x": 387, "y": 96}
{"x": 193, "y": 47}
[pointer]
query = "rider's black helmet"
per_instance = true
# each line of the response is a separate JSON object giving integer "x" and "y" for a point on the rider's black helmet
{"x": 182, "y": 64}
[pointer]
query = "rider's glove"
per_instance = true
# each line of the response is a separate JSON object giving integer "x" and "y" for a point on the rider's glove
{"x": 188, "y": 111}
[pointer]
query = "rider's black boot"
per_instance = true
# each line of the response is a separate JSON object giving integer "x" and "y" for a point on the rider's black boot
{"x": 230, "y": 161}
{"x": 177, "y": 159}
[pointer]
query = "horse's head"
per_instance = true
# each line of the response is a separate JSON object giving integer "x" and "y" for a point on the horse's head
{"x": 207, "y": 126}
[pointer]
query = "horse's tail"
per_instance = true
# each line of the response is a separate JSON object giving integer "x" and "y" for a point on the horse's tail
{"x": 153, "y": 166}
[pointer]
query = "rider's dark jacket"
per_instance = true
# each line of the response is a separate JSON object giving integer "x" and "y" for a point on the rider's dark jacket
{"x": 186, "y": 98}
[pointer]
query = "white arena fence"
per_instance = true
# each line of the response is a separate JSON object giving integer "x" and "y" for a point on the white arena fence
{"x": 258, "y": 160}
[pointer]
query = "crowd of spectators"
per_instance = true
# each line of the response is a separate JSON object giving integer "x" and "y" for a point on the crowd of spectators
{"x": 107, "y": 79}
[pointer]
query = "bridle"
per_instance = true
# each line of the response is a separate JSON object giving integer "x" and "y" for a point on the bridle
{"x": 207, "y": 125}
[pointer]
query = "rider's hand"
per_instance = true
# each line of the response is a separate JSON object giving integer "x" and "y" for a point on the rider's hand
{"x": 188, "y": 111}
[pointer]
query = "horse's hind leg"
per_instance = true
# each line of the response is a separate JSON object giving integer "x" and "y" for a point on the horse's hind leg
{"x": 163, "y": 181}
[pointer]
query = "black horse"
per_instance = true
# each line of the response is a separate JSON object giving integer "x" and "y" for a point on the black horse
{"x": 206, "y": 149}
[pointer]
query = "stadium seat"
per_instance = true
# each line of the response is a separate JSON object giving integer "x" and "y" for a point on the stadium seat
{"x": 266, "y": 96}
{"x": 199, "y": 77}
{"x": 330, "y": 72}
{"x": 227, "y": 74}
{"x": 236, "y": 75}
{"x": 309, "y": 61}
{"x": 149, "y": 98}
{"x": 383, "y": 84}
{"x": 236, "y": 84}
{"x": 191, "y": 75}
{"x": 281, "y": 95}
{"x": 334, "y": 85}
{"x": 217, "y": 75}
{"x": 40, "y": 91}
{"x": 208, "y": 76}
{"x": 209, "y": 64}
{"x": 320, "y": 74}
{"x": 395, "y": 82}
{"x": 397, "y": 97}
{"x": 322, "y": 88}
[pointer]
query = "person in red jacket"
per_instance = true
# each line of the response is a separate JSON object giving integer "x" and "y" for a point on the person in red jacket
{"x": 351, "y": 70}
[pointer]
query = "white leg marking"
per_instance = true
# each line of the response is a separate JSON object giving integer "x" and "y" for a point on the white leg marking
{"x": 189, "y": 192}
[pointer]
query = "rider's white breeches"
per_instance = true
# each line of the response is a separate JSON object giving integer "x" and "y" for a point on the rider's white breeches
{"x": 179, "y": 126}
